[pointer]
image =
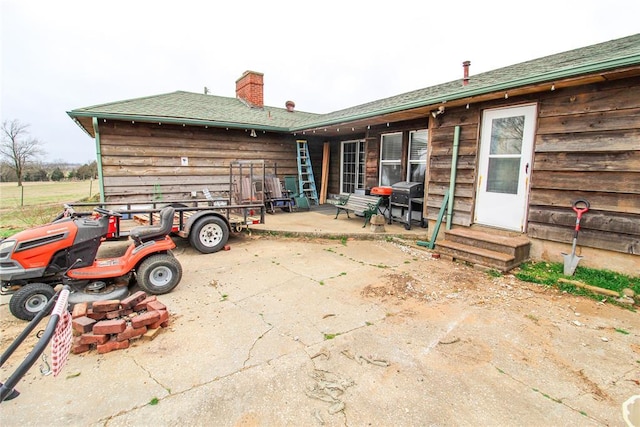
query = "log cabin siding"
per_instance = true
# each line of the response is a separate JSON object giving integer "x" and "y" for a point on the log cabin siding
{"x": 438, "y": 179}
{"x": 371, "y": 139}
{"x": 372, "y": 160}
{"x": 588, "y": 146}
{"x": 142, "y": 161}
{"x": 335, "y": 162}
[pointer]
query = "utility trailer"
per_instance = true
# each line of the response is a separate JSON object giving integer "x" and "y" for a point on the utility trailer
{"x": 206, "y": 222}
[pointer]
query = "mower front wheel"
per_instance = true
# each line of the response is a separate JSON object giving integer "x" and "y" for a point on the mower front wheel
{"x": 159, "y": 274}
{"x": 27, "y": 301}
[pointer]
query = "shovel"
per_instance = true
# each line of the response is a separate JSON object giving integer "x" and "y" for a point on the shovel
{"x": 571, "y": 261}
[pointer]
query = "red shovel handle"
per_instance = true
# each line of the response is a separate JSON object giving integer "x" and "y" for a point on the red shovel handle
{"x": 580, "y": 206}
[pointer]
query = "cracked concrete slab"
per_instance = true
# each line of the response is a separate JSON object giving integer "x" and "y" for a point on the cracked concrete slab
{"x": 328, "y": 332}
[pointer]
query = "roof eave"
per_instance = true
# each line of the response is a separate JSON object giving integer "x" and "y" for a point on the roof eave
{"x": 76, "y": 121}
{"x": 467, "y": 92}
{"x": 172, "y": 120}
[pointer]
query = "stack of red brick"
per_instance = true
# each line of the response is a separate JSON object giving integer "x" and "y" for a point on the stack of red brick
{"x": 112, "y": 324}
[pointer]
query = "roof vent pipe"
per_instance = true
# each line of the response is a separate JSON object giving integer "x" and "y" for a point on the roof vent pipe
{"x": 465, "y": 66}
{"x": 290, "y": 106}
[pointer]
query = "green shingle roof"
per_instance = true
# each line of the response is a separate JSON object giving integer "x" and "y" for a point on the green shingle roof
{"x": 595, "y": 58}
{"x": 193, "y": 108}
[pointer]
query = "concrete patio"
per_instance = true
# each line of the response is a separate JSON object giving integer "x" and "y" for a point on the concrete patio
{"x": 320, "y": 221}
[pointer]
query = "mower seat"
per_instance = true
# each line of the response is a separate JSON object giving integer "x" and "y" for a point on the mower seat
{"x": 147, "y": 233}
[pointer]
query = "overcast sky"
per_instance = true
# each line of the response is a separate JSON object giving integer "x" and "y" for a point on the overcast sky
{"x": 326, "y": 55}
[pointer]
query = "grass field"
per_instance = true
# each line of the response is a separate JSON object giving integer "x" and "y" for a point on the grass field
{"x": 37, "y": 203}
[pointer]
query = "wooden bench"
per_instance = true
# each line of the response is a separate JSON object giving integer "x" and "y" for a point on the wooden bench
{"x": 359, "y": 204}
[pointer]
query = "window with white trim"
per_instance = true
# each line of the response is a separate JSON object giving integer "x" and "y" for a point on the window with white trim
{"x": 417, "y": 168}
{"x": 391, "y": 159}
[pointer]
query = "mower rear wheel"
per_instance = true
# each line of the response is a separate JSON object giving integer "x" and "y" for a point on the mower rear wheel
{"x": 30, "y": 299}
{"x": 159, "y": 274}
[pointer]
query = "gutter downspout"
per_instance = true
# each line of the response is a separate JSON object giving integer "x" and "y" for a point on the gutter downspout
{"x": 98, "y": 157}
{"x": 454, "y": 168}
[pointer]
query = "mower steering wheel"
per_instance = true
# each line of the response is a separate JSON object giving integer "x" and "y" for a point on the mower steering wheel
{"x": 104, "y": 211}
{"x": 67, "y": 212}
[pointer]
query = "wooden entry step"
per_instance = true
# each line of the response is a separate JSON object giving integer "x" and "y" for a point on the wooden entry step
{"x": 485, "y": 248}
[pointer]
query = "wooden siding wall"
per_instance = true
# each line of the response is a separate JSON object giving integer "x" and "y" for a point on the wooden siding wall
{"x": 440, "y": 160}
{"x": 143, "y": 161}
{"x": 333, "y": 187}
{"x": 588, "y": 146}
{"x": 372, "y": 152}
{"x": 372, "y": 159}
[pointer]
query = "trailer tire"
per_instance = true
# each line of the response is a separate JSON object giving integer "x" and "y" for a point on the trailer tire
{"x": 209, "y": 234}
{"x": 159, "y": 274}
{"x": 30, "y": 299}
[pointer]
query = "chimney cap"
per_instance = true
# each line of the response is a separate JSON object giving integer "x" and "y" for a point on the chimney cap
{"x": 249, "y": 72}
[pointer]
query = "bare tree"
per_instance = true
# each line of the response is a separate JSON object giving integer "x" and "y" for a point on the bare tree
{"x": 17, "y": 147}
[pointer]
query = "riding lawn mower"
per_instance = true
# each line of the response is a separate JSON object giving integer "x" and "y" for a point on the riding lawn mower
{"x": 33, "y": 262}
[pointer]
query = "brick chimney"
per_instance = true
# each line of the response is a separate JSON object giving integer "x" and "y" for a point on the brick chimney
{"x": 249, "y": 87}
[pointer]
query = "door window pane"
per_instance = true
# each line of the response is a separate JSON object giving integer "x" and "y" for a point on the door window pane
{"x": 503, "y": 175}
{"x": 506, "y": 135}
{"x": 504, "y": 155}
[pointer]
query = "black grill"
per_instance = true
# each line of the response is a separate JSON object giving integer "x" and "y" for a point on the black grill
{"x": 401, "y": 192}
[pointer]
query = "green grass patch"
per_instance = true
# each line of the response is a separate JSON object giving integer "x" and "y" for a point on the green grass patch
{"x": 494, "y": 273}
{"x": 37, "y": 203}
{"x": 40, "y": 193}
{"x": 343, "y": 239}
{"x": 547, "y": 273}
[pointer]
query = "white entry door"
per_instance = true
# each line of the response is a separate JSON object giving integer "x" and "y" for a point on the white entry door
{"x": 506, "y": 148}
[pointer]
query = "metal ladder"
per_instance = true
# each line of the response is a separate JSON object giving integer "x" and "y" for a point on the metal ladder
{"x": 305, "y": 173}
